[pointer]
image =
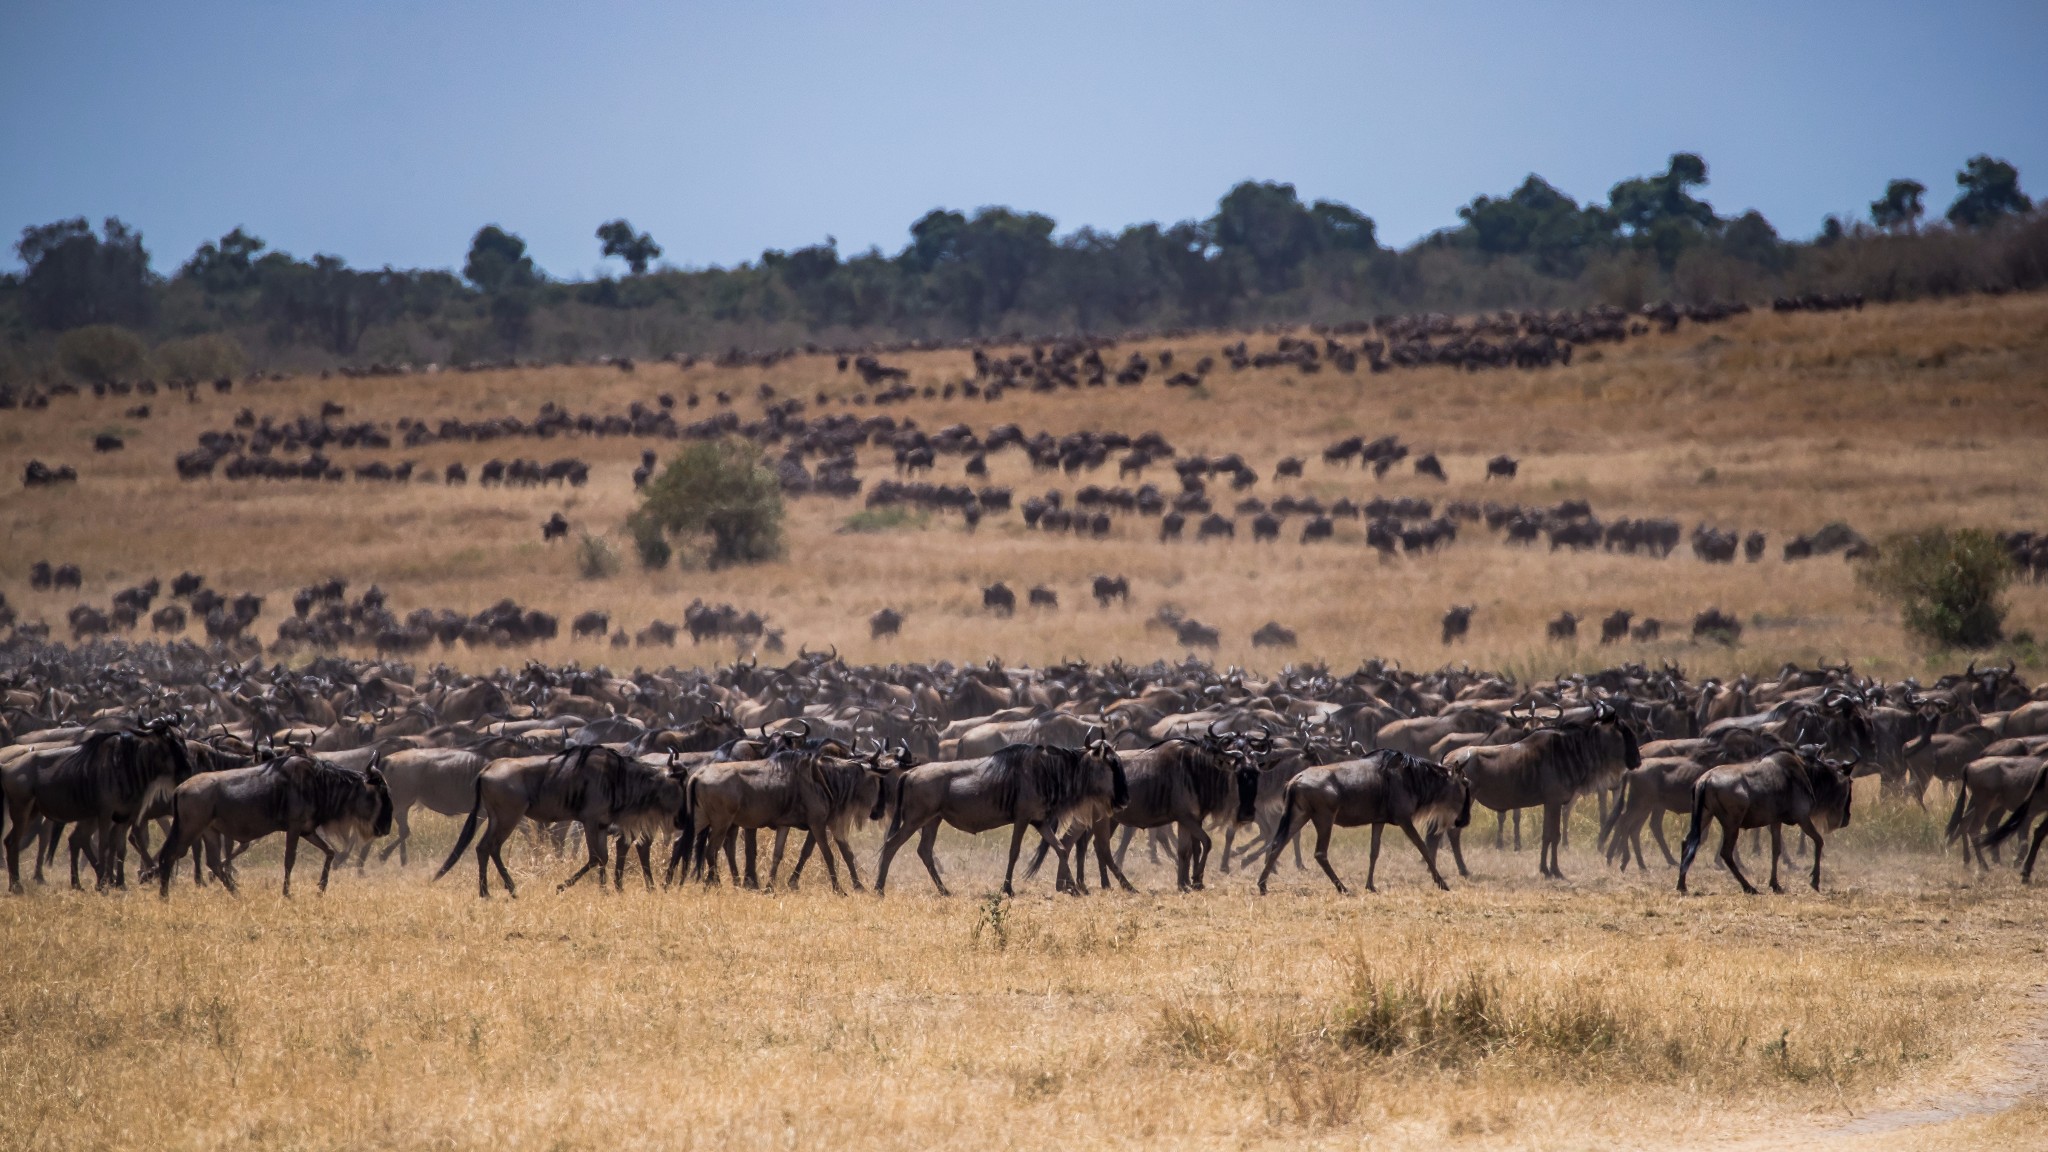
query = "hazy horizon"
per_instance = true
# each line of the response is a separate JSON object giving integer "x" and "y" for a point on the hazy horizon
{"x": 388, "y": 133}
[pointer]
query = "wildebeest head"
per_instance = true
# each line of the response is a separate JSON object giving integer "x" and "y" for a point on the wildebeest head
{"x": 1104, "y": 767}
{"x": 1832, "y": 782}
{"x": 380, "y": 823}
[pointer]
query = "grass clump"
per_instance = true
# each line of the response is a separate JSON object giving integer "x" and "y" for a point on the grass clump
{"x": 595, "y": 558}
{"x": 886, "y": 518}
{"x": 1949, "y": 585}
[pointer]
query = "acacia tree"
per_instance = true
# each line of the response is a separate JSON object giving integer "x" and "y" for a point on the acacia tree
{"x": 1900, "y": 209}
{"x": 1990, "y": 192}
{"x": 638, "y": 250}
{"x": 721, "y": 489}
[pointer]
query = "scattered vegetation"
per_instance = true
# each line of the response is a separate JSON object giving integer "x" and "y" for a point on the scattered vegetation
{"x": 595, "y": 558}
{"x": 1949, "y": 585}
{"x": 102, "y": 353}
{"x": 719, "y": 489}
{"x": 886, "y": 518}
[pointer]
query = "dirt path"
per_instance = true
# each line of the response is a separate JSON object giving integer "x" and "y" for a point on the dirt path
{"x": 2026, "y": 1075}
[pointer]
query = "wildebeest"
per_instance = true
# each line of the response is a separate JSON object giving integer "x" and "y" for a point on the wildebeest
{"x": 592, "y": 623}
{"x": 1428, "y": 465}
{"x": 554, "y": 528}
{"x": 1109, "y": 588}
{"x": 1170, "y": 526}
{"x": 1385, "y": 787}
{"x": 1564, "y": 628}
{"x": 815, "y": 787}
{"x": 298, "y": 795}
{"x": 594, "y": 785}
{"x": 999, "y": 599}
{"x": 1181, "y": 784}
{"x": 887, "y": 622}
{"x": 1503, "y": 466}
{"x": 104, "y": 784}
{"x": 1024, "y": 786}
{"x": 1458, "y": 621}
{"x": 1795, "y": 786}
{"x": 440, "y": 780}
{"x": 1550, "y": 766}
{"x": 1615, "y": 627}
{"x": 1043, "y": 597}
{"x": 2013, "y": 784}
{"x": 1647, "y": 630}
{"x": 1274, "y": 635}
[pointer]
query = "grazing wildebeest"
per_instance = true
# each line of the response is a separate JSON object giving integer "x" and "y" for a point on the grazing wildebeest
{"x": 298, "y": 795}
{"x": 600, "y": 788}
{"x": 2027, "y": 809}
{"x": 1551, "y": 766}
{"x": 887, "y": 622}
{"x": 1024, "y": 786}
{"x": 1043, "y": 597}
{"x": 1795, "y": 786}
{"x": 1385, "y": 787}
{"x": 555, "y": 528}
{"x": 1109, "y": 588}
{"x": 1564, "y": 628}
{"x": 1458, "y": 621}
{"x": 1614, "y": 628}
{"x": 1502, "y": 466}
{"x": 998, "y": 599}
{"x": 104, "y": 784}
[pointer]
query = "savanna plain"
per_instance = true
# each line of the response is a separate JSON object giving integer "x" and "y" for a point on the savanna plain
{"x": 1901, "y": 1007}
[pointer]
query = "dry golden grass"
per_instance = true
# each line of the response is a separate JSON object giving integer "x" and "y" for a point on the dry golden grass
{"x": 1609, "y": 1012}
{"x": 1600, "y": 1013}
{"x": 1887, "y": 418}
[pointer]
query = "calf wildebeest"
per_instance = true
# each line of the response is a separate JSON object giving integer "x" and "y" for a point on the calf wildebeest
{"x": 1385, "y": 787}
{"x": 594, "y": 785}
{"x": 1024, "y": 786}
{"x": 1795, "y": 786}
{"x": 300, "y": 796}
{"x": 1109, "y": 588}
{"x": 999, "y": 599}
{"x": 887, "y": 622}
{"x": 1043, "y": 597}
{"x": 554, "y": 528}
{"x": 1503, "y": 466}
{"x": 105, "y": 783}
{"x": 1552, "y": 766}
{"x": 1565, "y": 627}
{"x": 2035, "y": 807}
{"x": 1614, "y": 628}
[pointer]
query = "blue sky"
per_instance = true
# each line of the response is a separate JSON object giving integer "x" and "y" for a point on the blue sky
{"x": 386, "y": 133}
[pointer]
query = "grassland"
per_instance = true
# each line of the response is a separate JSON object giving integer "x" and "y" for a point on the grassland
{"x": 1601, "y": 1012}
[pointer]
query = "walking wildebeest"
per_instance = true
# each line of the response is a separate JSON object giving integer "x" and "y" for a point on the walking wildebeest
{"x": 1551, "y": 766}
{"x": 594, "y": 785}
{"x": 1024, "y": 786}
{"x": 1386, "y": 787}
{"x": 1182, "y": 784}
{"x": 2034, "y": 807}
{"x": 104, "y": 784}
{"x": 1795, "y": 786}
{"x": 1990, "y": 787}
{"x": 1458, "y": 621}
{"x": 298, "y": 795}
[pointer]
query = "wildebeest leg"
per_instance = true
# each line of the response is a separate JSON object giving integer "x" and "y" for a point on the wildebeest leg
{"x": 678, "y": 858}
{"x": 594, "y": 839}
{"x": 1123, "y": 844}
{"x": 1108, "y": 866}
{"x": 753, "y": 875}
{"x": 398, "y": 817}
{"x": 1372, "y": 859}
{"x": 326, "y": 865}
{"x": 291, "y": 856}
{"x": 893, "y": 841}
{"x": 1184, "y": 860}
{"x": 1203, "y": 844}
{"x": 1323, "y": 853}
{"x": 1518, "y": 829}
{"x": 731, "y": 840}
{"x": 1065, "y": 881}
{"x": 1455, "y": 835}
{"x": 846, "y": 853}
{"x": 775, "y": 858}
{"x": 645, "y": 850}
{"x": 2026, "y": 870}
{"x": 1657, "y": 831}
{"x": 1553, "y": 832}
{"x": 490, "y": 851}
{"x": 1428, "y": 851}
{"x": 1777, "y": 850}
{"x": 217, "y": 863}
{"x": 1017, "y": 843}
{"x": 77, "y": 844}
{"x": 1812, "y": 834}
{"x": 926, "y": 840}
{"x": 1229, "y": 836}
{"x": 1500, "y": 831}
{"x": 1729, "y": 834}
{"x": 820, "y": 835}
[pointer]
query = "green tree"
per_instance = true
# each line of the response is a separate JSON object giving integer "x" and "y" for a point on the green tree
{"x": 1990, "y": 192}
{"x": 1949, "y": 584}
{"x": 75, "y": 278}
{"x": 1266, "y": 224}
{"x": 1660, "y": 212}
{"x": 224, "y": 266}
{"x": 638, "y": 250}
{"x": 102, "y": 353}
{"x": 1900, "y": 209}
{"x": 719, "y": 489}
{"x": 1750, "y": 237}
{"x": 1537, "y": 220}
{"x": 498, "y": 261}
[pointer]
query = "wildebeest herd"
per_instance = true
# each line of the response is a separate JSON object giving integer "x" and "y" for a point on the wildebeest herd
{"x": 177, "y": 751}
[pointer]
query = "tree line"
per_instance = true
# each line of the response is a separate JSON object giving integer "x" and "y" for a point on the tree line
{"x": 1264, "y": 255}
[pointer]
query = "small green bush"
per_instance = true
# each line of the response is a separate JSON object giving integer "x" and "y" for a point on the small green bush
{"x": 206, "y": 357}
{"x": 649, "y": 542}
{"x": 721, "y": 489}
{"x": 883, "y": 519}
{"x": 1949, "y": 585}
{"x": 595, "y": 558}
{"x": 102, "y": 353}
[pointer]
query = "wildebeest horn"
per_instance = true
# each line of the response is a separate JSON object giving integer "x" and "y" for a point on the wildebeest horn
{"x": 806, "y": 733}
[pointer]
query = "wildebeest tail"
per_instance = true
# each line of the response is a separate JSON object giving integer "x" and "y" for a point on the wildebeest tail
{"x": 164, "y": 861}
{"x": 1697, "y": 828}
{"x": 2021, "y": 813}
{"x": 1286, "y": 825}
{"x": 476, "y": 811}
{"x": 1955, "y": 819}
